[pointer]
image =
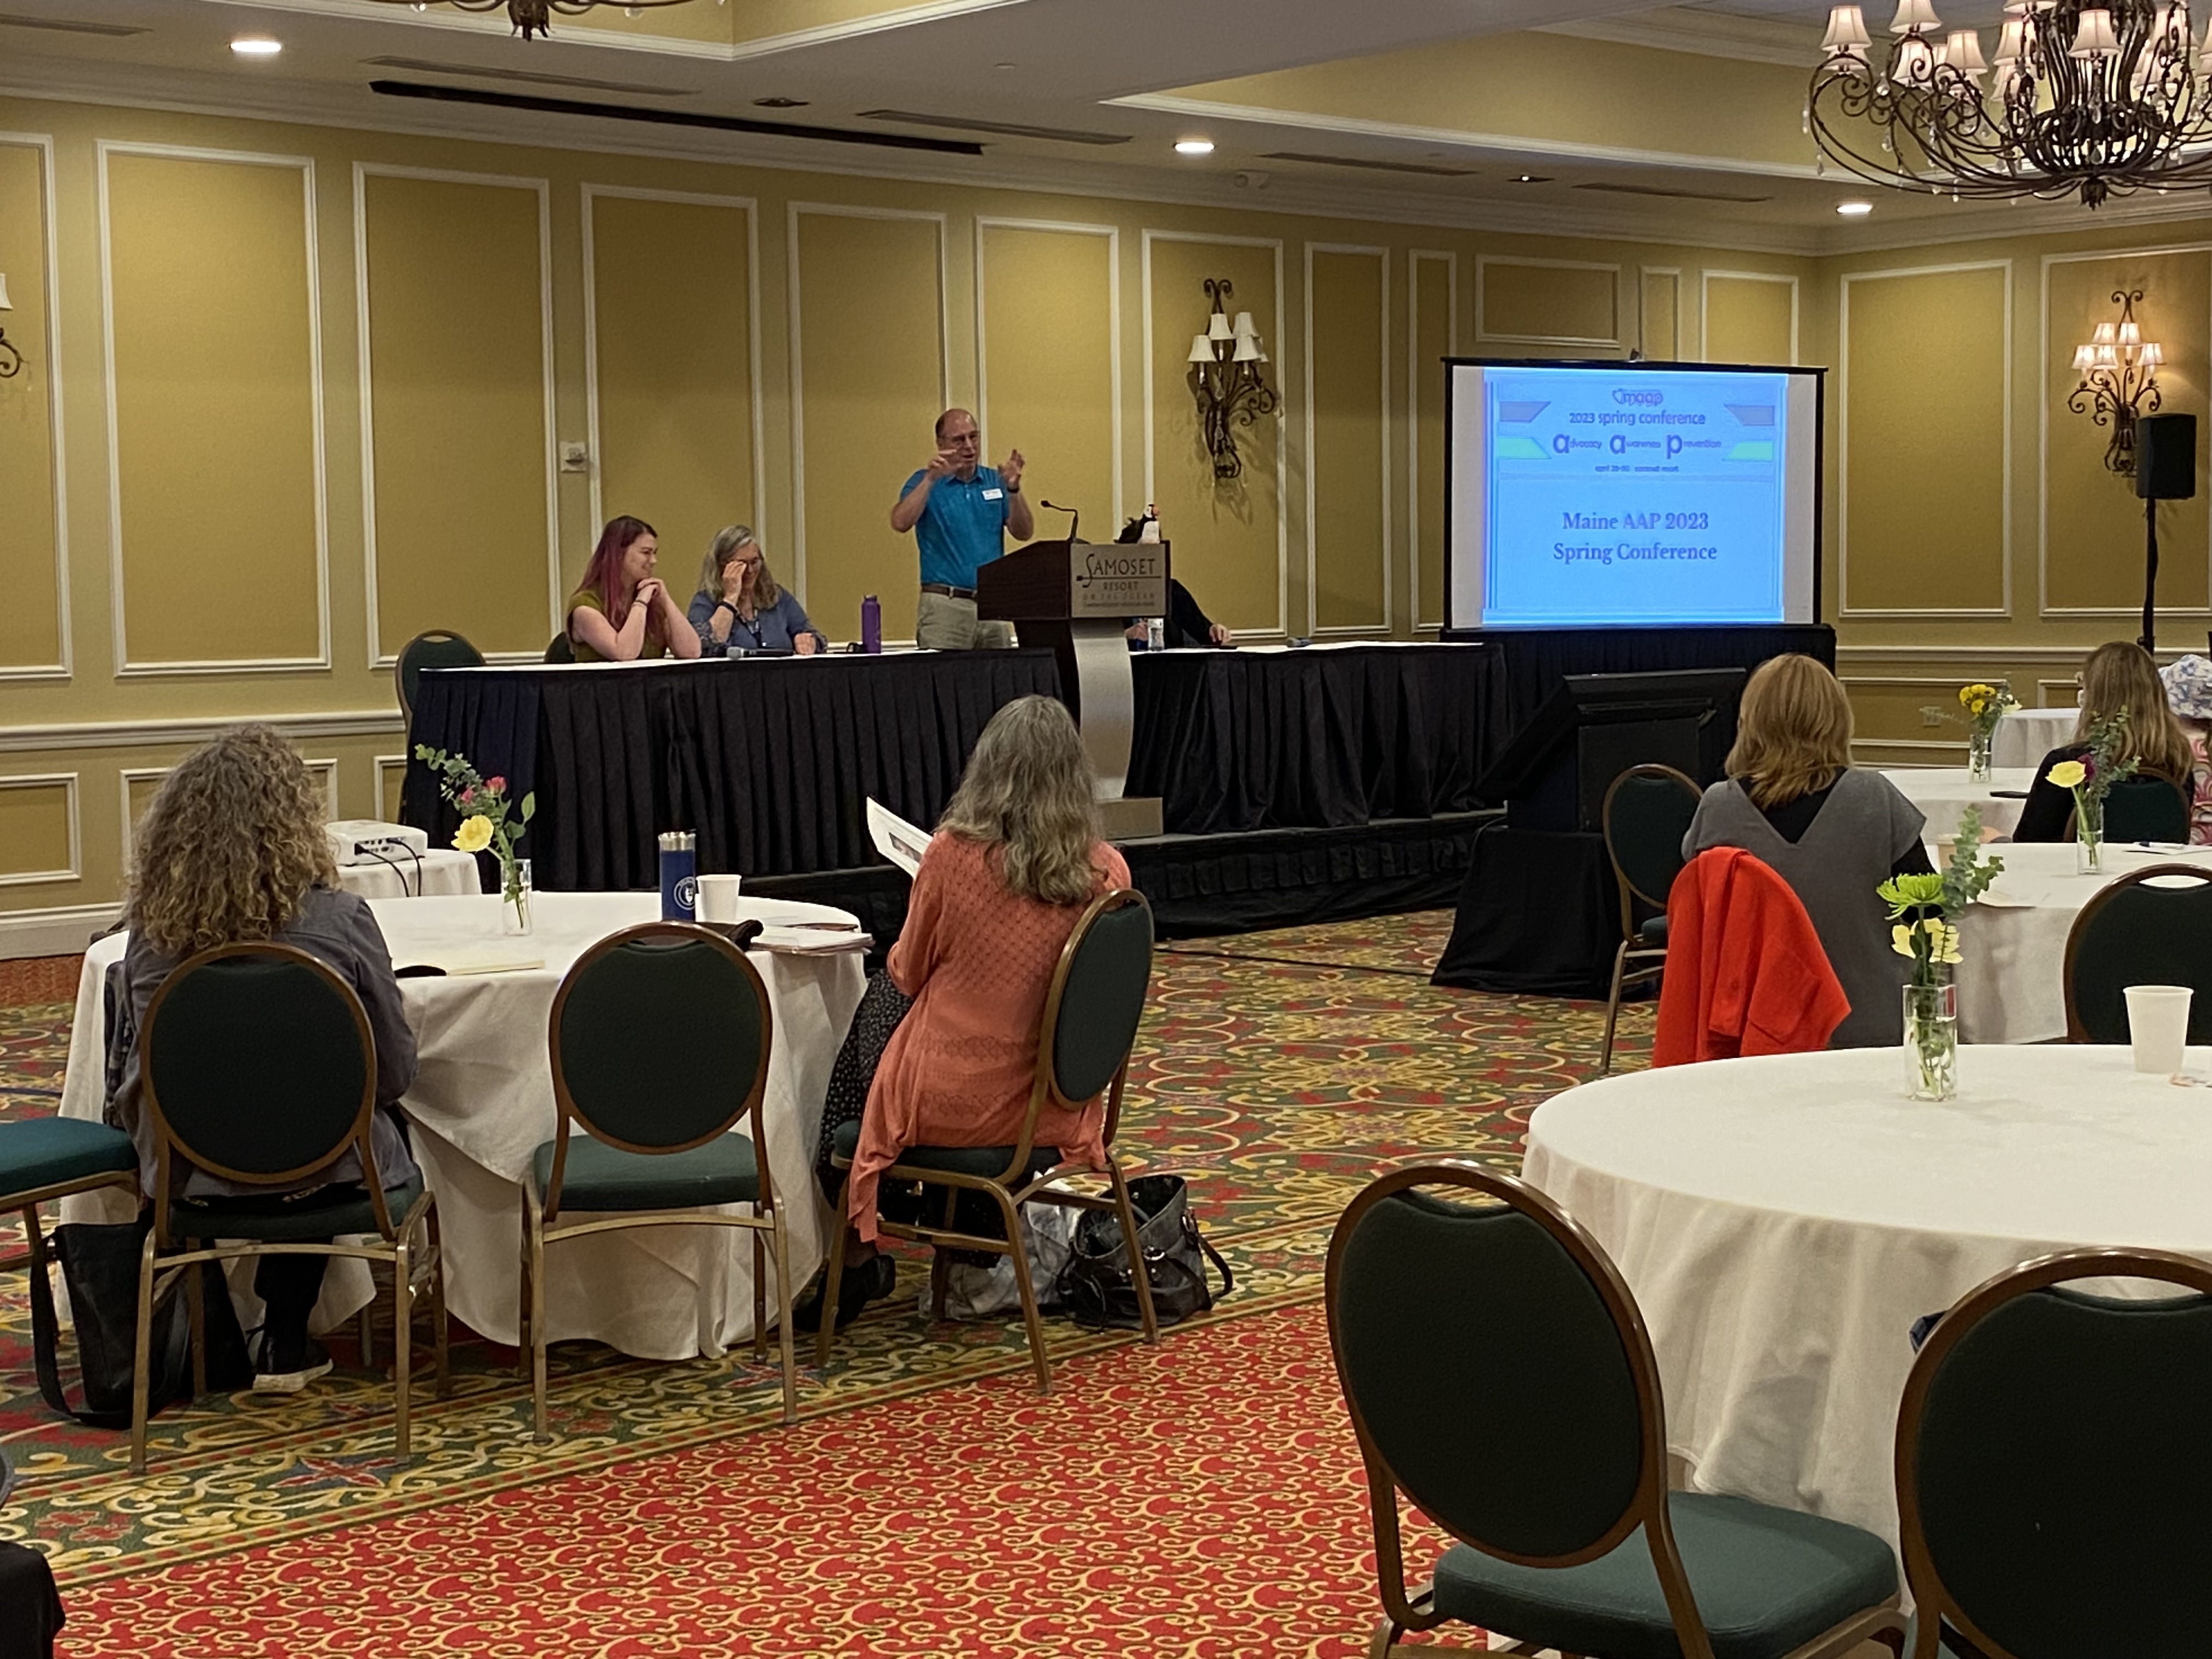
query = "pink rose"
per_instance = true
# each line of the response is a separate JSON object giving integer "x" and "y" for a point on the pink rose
{"x": 468, "y": 794}
{"x": 495, "y": 784}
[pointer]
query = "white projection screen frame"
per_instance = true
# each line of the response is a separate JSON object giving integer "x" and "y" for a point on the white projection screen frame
{"x": 1565, "y": 527}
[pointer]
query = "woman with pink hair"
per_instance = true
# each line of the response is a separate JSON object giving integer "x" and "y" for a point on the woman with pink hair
{"x": 621, "y": 611}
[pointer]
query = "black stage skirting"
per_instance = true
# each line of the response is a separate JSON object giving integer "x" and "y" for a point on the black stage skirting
{"x": 1329, "y": 737}
{"x": 1200, "y": 885}
{"x": 770, "y": 761}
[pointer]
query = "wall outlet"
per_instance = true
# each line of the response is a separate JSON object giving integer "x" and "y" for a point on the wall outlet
{"x": 576, "y": 457}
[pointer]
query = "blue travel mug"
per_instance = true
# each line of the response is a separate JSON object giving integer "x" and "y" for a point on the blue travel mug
{"x": 679, "y": 877}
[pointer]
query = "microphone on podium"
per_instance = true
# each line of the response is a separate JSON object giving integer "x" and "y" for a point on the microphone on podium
{"x": 1074, "y": 515}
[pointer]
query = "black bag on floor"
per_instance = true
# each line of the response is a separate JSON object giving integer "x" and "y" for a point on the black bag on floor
{"x": 1096, "y": 1285}
{"x": 100, "y": 1266}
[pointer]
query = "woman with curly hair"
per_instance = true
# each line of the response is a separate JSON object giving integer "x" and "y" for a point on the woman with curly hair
{"x": 1015, "y": 860}
{"x": 232, "y": 849}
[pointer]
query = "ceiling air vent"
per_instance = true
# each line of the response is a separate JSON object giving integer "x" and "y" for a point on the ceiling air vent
{"x": 1001, "y": 128}
{"x": 1660, "y": 189}
{"x": 69, "y": 26}
{"x": 667, "y": 118}
{"x": 532, "y": 77}
{"x": 1428, "y": 169}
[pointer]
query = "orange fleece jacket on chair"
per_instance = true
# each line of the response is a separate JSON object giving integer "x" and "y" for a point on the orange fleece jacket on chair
{"x": 1745, "y": 974}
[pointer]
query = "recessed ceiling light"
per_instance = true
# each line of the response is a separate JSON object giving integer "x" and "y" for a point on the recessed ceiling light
{"x": 780, "y": 103}
{"x": 1195, "y": 146}
{"x": 255, "y": 46}
{"x": 1855, "y": 210}
{"x": 1531, "y": 178}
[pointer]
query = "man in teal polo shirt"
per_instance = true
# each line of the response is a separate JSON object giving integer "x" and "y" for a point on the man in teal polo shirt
{"x": 960, "y": 513}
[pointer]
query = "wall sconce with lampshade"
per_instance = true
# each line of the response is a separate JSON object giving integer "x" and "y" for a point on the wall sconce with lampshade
{"x": 2119, "y": 380}
{"x": 11, "y": 360}
{"x": 1226, "y": 379}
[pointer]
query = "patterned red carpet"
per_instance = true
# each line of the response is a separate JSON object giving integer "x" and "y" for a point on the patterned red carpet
{"x": 1200, "y": 1498}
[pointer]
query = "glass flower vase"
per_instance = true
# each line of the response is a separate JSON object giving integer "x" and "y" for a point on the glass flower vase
{"x": 2089, "y": 836}
{"x": 1978, "y": 746}
{"x": 514, "y": 896}
{"x": 1931, "y": 1041}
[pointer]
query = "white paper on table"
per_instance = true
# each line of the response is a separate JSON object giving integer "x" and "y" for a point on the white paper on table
{"x": 810, "y": 941}
{"x": 490, "y": 960}
{"x": 894, "y": 838}
{"x": 1997, "y": 901}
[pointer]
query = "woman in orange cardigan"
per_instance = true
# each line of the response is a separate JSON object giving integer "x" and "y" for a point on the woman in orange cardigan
{"x": 1015, "y": 860}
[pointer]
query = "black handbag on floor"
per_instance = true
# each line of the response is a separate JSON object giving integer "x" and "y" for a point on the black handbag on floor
{"x": 100, "y": 1266}
{"x": 1096, "y": 1285}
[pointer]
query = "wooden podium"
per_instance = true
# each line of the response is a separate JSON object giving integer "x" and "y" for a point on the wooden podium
{"x": 1077, "y": 598}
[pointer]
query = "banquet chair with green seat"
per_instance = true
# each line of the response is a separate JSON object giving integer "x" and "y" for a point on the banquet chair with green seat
{"x": 2148, "y": 806}
{"x": 2053, "y": 1462}
{"x": 660, "y": 1038}
{"x": 2152, "y": 926}
{"x": 45, "y": 1158}
{"x": 435, "y": 648}
{"x": 1092, "y": 1010}
{"x": 1647, "y": 812}
{"x": 1499, "y": 1376}
{"x": 259, "y": 1068}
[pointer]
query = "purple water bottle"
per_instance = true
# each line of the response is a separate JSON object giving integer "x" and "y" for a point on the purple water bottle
{"x": 872, "y": 624}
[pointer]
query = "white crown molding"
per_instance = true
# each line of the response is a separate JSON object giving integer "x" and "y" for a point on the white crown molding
{"x": 155, "y": 733}
{"x": 1708, "y": 35}
{"x": 352, "y": 108}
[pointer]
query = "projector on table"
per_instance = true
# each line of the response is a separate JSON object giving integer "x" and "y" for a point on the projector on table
{"x": 364, "y": 841}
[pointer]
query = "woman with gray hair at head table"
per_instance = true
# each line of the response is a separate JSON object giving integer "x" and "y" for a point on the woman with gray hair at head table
{"x": 2188, "y": 682}
{"x": 740, "y": 608}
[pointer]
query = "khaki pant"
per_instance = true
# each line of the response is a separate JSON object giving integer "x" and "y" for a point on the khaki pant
{"x": 942, "y": 623}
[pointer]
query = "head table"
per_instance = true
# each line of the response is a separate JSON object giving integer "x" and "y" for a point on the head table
{"x": 1783, "y": 1221}
{"x": 482, "y": 1101}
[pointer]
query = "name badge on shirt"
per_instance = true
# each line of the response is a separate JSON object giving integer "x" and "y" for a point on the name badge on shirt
{"x": 993, "y": 495}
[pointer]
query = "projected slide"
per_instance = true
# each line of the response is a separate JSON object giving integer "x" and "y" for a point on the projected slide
{"x": 1626, "y": 496}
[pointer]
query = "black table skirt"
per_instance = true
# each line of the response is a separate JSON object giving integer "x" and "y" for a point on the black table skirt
{"x": 1539, "y": 915}
{"x": 1325, "y": 739}
{"x": 770, "y": 761}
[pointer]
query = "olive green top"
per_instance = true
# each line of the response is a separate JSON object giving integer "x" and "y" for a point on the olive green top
{"x": 588, "y": 598}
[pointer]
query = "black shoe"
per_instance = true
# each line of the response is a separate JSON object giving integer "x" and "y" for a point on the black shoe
{"x": 857, "y": 1286}
{"x": 287, "y": 1368}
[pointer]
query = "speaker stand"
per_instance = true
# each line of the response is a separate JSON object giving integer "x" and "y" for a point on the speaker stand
{"x": 2149, "y": 641}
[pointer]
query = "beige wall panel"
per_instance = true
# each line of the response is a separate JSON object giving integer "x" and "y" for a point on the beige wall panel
{"x": 1434, "y": 311}
{"x": 30, "y": 523}
{"x": 456, "y": 396}
{"x": 1225, "y": 533}
{"x": 868, "y": 374}
{"x": 674, "y": 374}
{"x": 1348, "y": 516}
{"x": 36, "y": 828}
{"x": 1886, "y": 708}
{"x": 390, "y": 776}
{"x": 215, "y": 385}
{"x": 1047, "y": 337}
{"x": 1924, "y": 374}
{"x": 1567, "y": 303}
{"x": 1749, "y": 319}
{"x": 1660, "y": 316}
{"x": 2092, "y": 524}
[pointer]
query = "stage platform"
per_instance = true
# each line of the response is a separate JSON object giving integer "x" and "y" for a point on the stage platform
{"x": 1228, "y": 883}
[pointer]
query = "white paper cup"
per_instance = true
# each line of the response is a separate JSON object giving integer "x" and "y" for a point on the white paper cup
{"x": 718, "y": 898}
{"x": 2158, "y": 1026}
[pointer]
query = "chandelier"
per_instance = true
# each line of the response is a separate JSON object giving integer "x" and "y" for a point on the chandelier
{"x": 2094, "y": 101}
{"x": 535, "y": 17}
{"x": 1226, "y": 379}
{"x": 2119, "y": 380}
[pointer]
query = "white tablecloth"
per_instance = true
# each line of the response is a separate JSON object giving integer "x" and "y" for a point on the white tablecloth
{"x": 483, "y": 1101}
{"x": 1944, "y": 793}
{"x": 1783, "y": 1221}
{"x": 2024, "y": 736}
{"x": 441, "y": 870}
{"x": 2012, "y": 980}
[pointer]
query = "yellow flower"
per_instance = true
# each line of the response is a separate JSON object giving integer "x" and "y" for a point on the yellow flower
{"x": 1976, "y": 697}
{"x": 2067, "y": 774}
{"x": 1900, "y": 940}
{"x": 474, "y": 834}
{"x": 1946, "y": 938}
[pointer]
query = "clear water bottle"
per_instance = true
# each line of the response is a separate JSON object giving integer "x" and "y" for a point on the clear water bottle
{"x": 872, "y": 624}
{"x": 1156, "y": 633}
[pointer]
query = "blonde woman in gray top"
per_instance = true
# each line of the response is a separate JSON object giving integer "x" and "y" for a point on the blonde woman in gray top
{"x": 1793, "y": 801}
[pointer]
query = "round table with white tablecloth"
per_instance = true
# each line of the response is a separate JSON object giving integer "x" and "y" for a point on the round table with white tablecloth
{"x": 2024, "y": 736}
{"x": 1944, "y": 793}
{"x": 483, "y": 1101}
{"x": 1783, "y": 1221}
{"x": 2012, "y": 943}
{"x": 440, "y": 871}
